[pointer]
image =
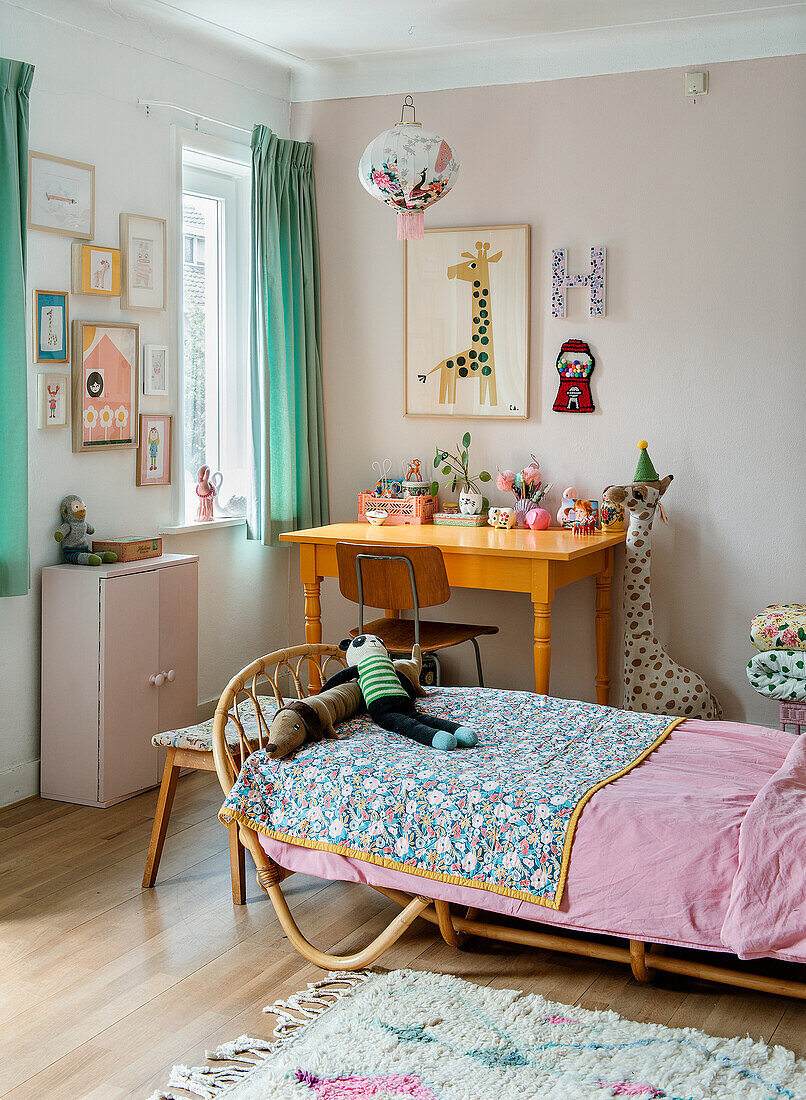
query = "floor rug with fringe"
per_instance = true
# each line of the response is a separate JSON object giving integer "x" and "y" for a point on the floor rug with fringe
{"x": 408, "y": 1035}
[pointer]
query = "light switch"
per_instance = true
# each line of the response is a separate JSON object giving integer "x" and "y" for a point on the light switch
{"x": 696, "y": 83}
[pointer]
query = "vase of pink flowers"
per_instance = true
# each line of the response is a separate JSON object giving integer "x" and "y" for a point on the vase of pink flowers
{"x": 526, "y": 487}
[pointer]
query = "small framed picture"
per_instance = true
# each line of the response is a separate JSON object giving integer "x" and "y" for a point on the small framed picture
{"x": 51, "y": 327}
{"x": 96, "y": 270}
{"x": 52, "y": 400}
{"x": 142, "y": 242}
{"x": 154, "y": 452}
{"x": 155, "y": 370}
{"x": 105, "y": 360}
{"x": 61, "y": 196}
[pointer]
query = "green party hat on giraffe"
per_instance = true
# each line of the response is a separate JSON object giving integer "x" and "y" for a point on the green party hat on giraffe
{"x": 645, "y": 471}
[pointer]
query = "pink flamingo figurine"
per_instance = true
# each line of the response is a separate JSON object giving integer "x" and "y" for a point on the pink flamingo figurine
{"x": 206, "y": 494}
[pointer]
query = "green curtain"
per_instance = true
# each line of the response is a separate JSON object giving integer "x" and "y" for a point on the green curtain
{"x": 288, "y": 434}
{"x": 15, "y": 83}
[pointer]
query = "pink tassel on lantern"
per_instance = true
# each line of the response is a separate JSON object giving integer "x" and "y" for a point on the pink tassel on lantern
{"x": 410, "y": 225}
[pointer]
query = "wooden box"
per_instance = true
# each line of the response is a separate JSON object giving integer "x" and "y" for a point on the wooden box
{"x": 129, "y": 547}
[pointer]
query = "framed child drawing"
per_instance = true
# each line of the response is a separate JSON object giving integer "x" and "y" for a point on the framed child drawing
{"x": 467, "y": 323}
{"x": 154, "y": 452}
{"x": 105, "y": 359}
{"x": 95, "y": 270}
{"x": 155, "y": 370}
{"x": 51, "y": 327}
{"x": 142, "y": 242}
{"x": 52, "y": 400}
{"x": 61, "y": 196}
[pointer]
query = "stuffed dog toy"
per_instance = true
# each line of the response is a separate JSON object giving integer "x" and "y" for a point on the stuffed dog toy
{"x": 315, "y": 718}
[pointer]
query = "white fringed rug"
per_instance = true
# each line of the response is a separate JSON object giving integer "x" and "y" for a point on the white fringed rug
{"x": 408, "y": 1035}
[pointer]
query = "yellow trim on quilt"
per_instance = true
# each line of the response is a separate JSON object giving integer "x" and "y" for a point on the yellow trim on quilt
{"x": 226, "y": 814}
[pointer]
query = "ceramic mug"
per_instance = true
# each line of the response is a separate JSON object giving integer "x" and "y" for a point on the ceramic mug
{"x": 492, "y": 516}
{"x": 470, "y": 504}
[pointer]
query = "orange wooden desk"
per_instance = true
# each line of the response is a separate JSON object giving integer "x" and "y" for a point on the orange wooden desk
{"x": 535, "y": 562}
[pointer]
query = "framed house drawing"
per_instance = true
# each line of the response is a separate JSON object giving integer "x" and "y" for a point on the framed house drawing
{"x": 51, "y": 327}
{"x": 142, "y": 242}
{"x": 467, "y": 323}
{"x": 105, "y": 359}
{"x": 61, "y": 196}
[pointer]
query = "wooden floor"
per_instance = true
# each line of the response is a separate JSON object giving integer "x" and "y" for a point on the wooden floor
{"x": 104, "y": 986}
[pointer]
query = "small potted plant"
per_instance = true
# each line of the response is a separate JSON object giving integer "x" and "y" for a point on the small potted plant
{"x": 457, "y": 466}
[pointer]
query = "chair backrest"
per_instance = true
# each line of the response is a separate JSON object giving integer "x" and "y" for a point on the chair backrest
{"x": 388, "y": 584}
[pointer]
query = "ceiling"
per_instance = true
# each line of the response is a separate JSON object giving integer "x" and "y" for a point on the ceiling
{"x": 322, "y": 30}
{"x": 334, "y": 48}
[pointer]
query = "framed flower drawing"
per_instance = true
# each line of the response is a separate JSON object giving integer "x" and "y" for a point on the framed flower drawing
{"x": 154, "y": 452}
{"x": 142, "y": 242}
{"x": 96, "y": 270}
{"x": 52, "y": 400}
{"x": 105, "y": 359}
{"x": 61, "y": 196}
{"x": 155, "y": 370}
{"x": 51, "y": 327}
{"x": 467, "y": 323}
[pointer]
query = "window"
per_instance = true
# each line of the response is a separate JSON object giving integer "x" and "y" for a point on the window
{"x": 215, "y": 329}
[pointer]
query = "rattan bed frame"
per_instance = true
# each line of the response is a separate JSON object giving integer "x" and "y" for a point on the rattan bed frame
{"x": 272, "y": 674}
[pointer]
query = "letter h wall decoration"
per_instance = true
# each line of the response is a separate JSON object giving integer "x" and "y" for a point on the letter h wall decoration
{"x": 562, "y": 281}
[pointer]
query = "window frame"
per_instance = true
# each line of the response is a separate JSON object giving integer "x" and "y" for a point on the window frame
{"x": 228, "y": 163}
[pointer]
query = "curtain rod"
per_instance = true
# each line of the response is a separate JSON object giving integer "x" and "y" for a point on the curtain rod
{"x": 149, "y": 103}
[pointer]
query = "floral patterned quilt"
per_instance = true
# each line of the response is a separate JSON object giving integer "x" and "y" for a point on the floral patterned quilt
{"x": 499, "y": 817}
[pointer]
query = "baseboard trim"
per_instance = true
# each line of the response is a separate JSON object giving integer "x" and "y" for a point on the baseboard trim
{"x": 19, "y": 783}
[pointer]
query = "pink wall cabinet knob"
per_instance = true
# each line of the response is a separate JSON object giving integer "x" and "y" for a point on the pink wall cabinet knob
{"x": 157, "y": 680}
{"x": 170, "y": 675}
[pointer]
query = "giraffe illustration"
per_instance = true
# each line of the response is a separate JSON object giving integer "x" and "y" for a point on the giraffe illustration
{"x": 653, "y": 682}
{"x": 479, "y": 359}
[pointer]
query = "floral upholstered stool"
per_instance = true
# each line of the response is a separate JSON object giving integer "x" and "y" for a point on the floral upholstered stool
{"x": 192, "y": 747}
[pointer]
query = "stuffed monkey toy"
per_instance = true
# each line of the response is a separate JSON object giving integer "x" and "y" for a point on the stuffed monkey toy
{"x": 72, "y": 534}
{"x": 389, "y": 696}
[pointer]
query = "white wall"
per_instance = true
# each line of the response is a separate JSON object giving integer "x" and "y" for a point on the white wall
{"x": 83, "y": 106}
{"x": 701, "y": 352}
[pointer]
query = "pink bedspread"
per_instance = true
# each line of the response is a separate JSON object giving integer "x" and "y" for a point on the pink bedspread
{"x": 686, "y": 849}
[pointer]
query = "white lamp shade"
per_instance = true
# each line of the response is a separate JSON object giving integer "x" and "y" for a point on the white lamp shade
{"x": 408, "y": 168}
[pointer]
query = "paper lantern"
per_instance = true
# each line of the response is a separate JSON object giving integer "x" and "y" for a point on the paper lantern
{"x": 408, "y": 168}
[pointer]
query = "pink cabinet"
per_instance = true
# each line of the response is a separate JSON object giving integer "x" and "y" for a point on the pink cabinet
{"x": 119, "y": 664}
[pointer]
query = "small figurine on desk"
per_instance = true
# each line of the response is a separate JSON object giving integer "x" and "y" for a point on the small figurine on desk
{"x": 205, "y": 491}
{"x": 72, "y": 534}
{"x": 585, "y": 512}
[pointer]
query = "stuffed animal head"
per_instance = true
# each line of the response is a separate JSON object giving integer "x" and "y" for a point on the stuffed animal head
{"x": 639, "y": 496}
{"x": 365, "y": 645}
{"x": 291, "y": 726}
{"x": 73, "y": 509}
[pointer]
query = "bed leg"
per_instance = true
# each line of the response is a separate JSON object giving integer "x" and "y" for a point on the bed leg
{"x": 269, "y": 880}
{"x": 638, "y": 959}
{"x": 446, "y": 929}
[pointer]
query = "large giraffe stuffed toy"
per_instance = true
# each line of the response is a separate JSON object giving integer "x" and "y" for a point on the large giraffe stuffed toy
{"x": 653, "y": 682}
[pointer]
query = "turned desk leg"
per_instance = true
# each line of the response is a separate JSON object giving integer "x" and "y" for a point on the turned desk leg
{"x": 313, "y": 626}
{"x": 542, "y": 647}
{"x": 602, "y": 625}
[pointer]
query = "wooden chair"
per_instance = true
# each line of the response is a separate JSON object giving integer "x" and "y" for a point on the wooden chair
{"x": 403, "y": 578}
{"x": 190, "y": 748}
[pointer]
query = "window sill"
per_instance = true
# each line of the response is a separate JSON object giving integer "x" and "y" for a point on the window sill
{"x": 206, "y": 525}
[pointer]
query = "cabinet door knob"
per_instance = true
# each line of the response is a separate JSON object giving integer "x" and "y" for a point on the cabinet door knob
{"x": 170, "y": 675}
{"x": 157, "y": 680}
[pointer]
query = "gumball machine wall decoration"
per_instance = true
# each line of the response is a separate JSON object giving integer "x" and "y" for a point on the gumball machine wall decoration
{"x": 575, "y": 366}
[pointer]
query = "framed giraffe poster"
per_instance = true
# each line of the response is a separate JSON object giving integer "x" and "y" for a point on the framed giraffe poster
{"x": 467, "y": 323}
